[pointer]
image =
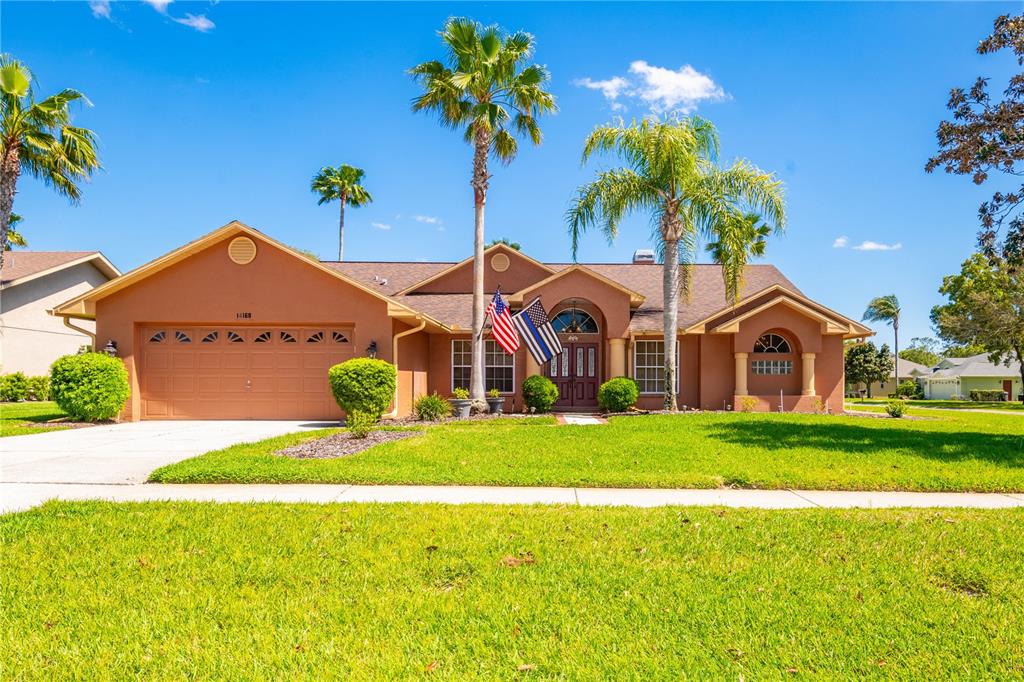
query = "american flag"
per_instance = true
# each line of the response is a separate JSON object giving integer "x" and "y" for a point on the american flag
{"x": 535, "y": 328}
{"x": 501, "y": 324}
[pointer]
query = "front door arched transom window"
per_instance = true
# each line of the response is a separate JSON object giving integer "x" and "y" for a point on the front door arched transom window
{"x": 771, "y": 343}
{"x": 574, "y": 321}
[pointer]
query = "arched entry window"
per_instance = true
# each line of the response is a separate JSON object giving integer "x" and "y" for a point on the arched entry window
{"x": 771, "y": 343}
{"x": 574, "y": 321}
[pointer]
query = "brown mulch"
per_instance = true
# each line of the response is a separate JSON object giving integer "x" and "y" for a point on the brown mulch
{"x": 883, "y": 415}
{"x": 343, "y": 444}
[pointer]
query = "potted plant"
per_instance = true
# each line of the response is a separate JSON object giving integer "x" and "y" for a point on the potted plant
{"x": 495, "y": 402}
{"x": 460, "y": 403}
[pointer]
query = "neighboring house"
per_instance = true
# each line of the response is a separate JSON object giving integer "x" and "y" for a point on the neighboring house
{"x": 33, "y": 282}
{"x": 237, "y": 325}
{"x": 908, "y": 371}
{"x": 957, "y": 377}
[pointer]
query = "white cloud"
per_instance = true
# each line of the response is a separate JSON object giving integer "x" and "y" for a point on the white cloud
{"x": 841, "y": 242}
{"x": 159, "y": 5}
{"x": 380, "y": 226}
{"x": 875, "y": 246}
{"x": 659, "y": 88}
{"x": 198, "y": 22}
{"x": 100, "y": 8}
{"x": 428, "y": 219}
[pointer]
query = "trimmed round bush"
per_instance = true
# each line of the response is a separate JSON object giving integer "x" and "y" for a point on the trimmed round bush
{"x": 89, "y": 387}
{"x": 363, "y": 385}
{"x": 539, "y": 393}
{"x": 431, "y": 408}
{"x": 13, "y": 387}
{"x": 618, "y": 394}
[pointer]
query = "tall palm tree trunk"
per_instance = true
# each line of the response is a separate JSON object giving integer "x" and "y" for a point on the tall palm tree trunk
{"x": 670, "y": 288}
{"x": 482, "y": 143}
{"x": 10, "y": 168}
{"x": 341, "y": 227}
{"x": 896, "y": 350}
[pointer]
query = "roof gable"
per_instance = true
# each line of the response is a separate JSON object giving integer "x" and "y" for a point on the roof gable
{"x": 24, "y": 266}
{"x": 520, "y": 270}
{"x": 84, "y": 306}
{"x": 635, "y": 299}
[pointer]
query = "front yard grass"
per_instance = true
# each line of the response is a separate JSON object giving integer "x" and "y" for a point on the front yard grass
{"x": 947, "y": 452}
{"x": 227, "y": 591}
{"x": 946, "y": 404}
{"x": 20, "y": 419}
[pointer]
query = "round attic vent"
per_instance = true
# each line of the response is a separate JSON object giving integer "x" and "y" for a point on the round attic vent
{"x": 242, "y": 250}
{"x": 499, "y": 262}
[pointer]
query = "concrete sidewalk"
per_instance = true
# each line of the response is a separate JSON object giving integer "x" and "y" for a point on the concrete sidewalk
{"x": 21, "y": 496}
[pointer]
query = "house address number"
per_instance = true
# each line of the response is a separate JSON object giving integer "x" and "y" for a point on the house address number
{"x": 243, "y": 316}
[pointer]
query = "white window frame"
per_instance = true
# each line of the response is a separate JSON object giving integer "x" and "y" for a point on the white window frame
{"x": 772, "y": 364}
{"x": 496, "y": 348}
{"x": 636, "y": 347}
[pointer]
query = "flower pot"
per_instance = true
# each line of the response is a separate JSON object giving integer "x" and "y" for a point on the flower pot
{"x": 460, "y": 407}
{"x": 496, "y": 405}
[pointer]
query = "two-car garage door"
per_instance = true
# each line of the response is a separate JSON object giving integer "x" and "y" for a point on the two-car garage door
{"x": 240, "y": 372}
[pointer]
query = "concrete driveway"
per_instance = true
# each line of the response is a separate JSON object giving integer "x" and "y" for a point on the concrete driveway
{"x": 126, "y": 453}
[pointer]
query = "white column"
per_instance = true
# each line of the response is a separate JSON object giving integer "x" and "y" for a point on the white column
{"x": 808, "y": 372}
{"x": 741, "y": 373}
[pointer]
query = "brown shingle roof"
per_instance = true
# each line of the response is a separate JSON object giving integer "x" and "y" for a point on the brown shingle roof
{"x": 19, "y": 264}
{"x": 708, "y": 290}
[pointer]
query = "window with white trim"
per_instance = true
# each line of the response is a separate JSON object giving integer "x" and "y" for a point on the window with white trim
{"x": 771, "y": 366}
{"x": 649, "y": 366}
{"x": 499, "y": 367}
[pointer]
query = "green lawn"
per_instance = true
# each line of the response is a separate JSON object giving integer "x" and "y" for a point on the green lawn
{"x": 226, "y": 591}
{"x": 950, "y": 451}
{"x": 19, "y": 419}
{"x": 945, "y": 404}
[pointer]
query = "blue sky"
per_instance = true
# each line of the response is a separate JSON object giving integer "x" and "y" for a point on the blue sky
{"x": 209, "y": 112}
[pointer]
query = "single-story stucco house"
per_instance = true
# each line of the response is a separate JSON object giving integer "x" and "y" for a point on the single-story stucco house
{"x": 238, "y": 325}
{"x": 33, "y": 282}
{"x": 908, "y": 370}
{"x": 956, "y": 377}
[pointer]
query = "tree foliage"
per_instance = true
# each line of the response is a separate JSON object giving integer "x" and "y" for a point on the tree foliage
{"x": 985, "y": 307}
{"x": 507, "y": 242}
{"x": 987, "y": 136}
{"x": 344, "y": 185}
{"x": 923, "y": 350}
{"x": 670, "y": 172}
{"x": 36, "y": 137}
{"x": 866, "y": 364}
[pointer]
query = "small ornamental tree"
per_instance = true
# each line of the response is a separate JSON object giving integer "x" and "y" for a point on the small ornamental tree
{"x": 89, "y": 387}
{"x": 867, "y": 364}
{"x": 363, "y": 385}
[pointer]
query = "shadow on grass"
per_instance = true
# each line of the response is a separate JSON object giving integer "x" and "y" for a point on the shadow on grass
{"x": 1003, "y": 449}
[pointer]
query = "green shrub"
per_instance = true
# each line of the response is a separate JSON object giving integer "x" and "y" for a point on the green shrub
{"x": 749, "y": 403}
{"x": 460, "y": 393}
{"x": 539, "y": 393}
{"x": 895, "y": 408}
{"x": 431, "y": 408}
{"x": 13, "y": 387}
{"x": 618, "y": 394}
{"x": 359, "y": 423}
{"x": 985, "y": 396}
{"x": 909, "y": 389}
{"x": 89, "y": 387}
{"x": 363, "y": 385}
{"x": 39, "y": 388}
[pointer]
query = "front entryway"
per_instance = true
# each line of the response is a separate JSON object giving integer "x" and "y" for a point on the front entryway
{"x": 575, "y": 373}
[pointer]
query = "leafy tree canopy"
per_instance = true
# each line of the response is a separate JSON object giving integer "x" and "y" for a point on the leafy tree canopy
{"x": 923, "y": 350}
{"x": 507, "y": 242}
{"x": 987, "y": 136}
{"x": 986, "y": 308}
{"x": 866, "y": 363}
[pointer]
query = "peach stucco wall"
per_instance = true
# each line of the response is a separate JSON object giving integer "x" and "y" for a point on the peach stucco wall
{"x": 207, "y": 288}
{"x": 520, "y": 273}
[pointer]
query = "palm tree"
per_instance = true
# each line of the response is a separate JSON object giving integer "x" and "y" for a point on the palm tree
{"x": 887, "y": 309}
{"x": 341, "y": 184}
{"x": 671, "y": 172}
{"x": 38, "y": 138}
{"x": 484, "y": 89}
{"x": 14, "y": 238}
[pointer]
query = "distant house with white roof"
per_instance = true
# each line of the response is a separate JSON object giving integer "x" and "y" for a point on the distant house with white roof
{"x": 957, "y": 377}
